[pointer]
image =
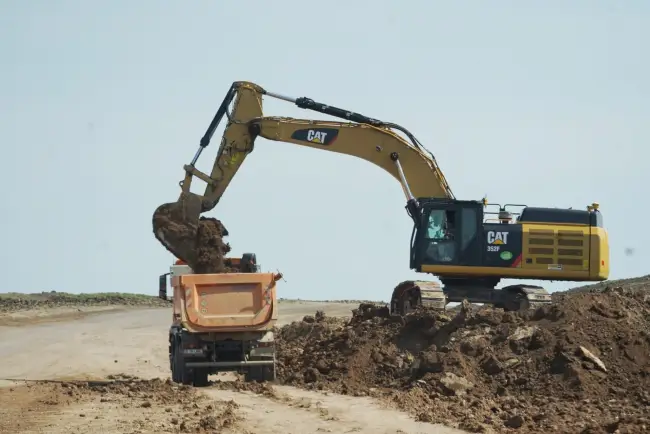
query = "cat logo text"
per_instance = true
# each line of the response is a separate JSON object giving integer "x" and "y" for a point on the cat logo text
{"x": 497, "y": 238}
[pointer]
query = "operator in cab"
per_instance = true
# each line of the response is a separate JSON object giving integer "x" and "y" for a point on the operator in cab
{"x": 441, "y": 245}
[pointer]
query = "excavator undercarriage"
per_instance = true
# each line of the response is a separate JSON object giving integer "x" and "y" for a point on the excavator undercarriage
{"x": 410, "y": 294}
{"x": 455, "y": 240}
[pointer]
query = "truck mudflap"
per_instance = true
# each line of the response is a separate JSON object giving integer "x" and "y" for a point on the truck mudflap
{"x": 231, "y": 301}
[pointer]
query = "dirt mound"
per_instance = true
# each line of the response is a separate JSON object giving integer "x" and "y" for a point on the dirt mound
{"x": 634, "y": 284}
{"x": 122, "y": 404}
{"x": 582, "y": 365}
{"x": 198, "y": 242}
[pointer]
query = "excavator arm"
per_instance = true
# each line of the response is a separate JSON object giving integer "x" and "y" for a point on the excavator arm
{"x": 369, "y": 139}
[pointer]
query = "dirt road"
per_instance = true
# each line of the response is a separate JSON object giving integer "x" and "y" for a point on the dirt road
{"x": 133, "y": 342}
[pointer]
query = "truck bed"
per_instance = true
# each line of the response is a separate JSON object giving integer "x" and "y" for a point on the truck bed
{"x": 225, "y": 302}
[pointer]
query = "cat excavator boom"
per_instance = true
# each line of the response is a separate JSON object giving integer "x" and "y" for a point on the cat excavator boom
{"x": 452, "y": 239}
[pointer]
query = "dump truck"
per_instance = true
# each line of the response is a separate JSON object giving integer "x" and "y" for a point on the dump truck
{"x": 221, "y": 322}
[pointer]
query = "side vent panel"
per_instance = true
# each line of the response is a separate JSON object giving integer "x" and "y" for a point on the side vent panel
{"x": 556, "y": 248}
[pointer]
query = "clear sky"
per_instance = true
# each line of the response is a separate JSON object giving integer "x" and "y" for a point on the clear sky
{"x": 102, "y": 102}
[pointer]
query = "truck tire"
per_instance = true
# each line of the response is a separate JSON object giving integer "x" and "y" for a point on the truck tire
{"x": 173, "y": 361}
{"x": 180, "y": 373}
{"x": 261, "y": 374}
{"x": 252, "y": 374}
{"x": 268, "y": 373}
{"x": 200, "y": 377}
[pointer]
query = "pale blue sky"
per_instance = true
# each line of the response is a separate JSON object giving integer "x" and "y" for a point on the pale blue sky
{"x": 537, "y": 102}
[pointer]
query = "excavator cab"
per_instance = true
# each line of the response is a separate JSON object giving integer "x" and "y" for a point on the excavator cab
{"x": 447, "y": 233}
{"x": 470, "y": 252}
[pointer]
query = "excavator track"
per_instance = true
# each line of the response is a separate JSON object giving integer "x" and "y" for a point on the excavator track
{"x": 410, "y": 294}
{"x": 529, "y": 297}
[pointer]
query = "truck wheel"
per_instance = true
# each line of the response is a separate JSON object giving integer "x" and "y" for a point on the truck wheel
{"x": 186, "y": 375}
{"x": 200, "y": 377}
{"x": 174, "y": 368}
{"x": 260, "y": 374}
{"x": 268, "y": 373}
{"x": 253, "y": 374}
{"x": 180, "y": 374}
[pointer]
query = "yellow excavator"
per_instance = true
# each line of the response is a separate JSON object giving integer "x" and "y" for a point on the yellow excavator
{"x": 469, "y": 246}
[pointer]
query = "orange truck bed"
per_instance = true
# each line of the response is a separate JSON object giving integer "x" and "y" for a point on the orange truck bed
{"x": 233, "y": 302}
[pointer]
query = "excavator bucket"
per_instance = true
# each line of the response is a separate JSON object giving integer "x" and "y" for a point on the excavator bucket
{"x": 176, "y": 226}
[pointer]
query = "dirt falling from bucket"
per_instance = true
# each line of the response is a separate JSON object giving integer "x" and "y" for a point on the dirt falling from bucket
{"x": 199, "y": 243}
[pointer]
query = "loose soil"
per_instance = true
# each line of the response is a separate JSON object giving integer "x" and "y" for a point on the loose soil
{"x": 210, "y": 247}
{"x": 199, "y": 243}
{"x": 579, "y": 365}
{"x": 122, "y": 404}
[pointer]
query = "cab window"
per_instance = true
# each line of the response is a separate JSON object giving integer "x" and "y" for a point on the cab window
{"x": 441, "y": 225}
{"x": 470, "y": 221}
{"x": 440, "y": 231}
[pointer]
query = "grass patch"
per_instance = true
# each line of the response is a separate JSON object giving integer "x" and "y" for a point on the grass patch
{"x": 300, "y": 300}
{"x": 14, "y": 301}
{"x": 53, "y": 295}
